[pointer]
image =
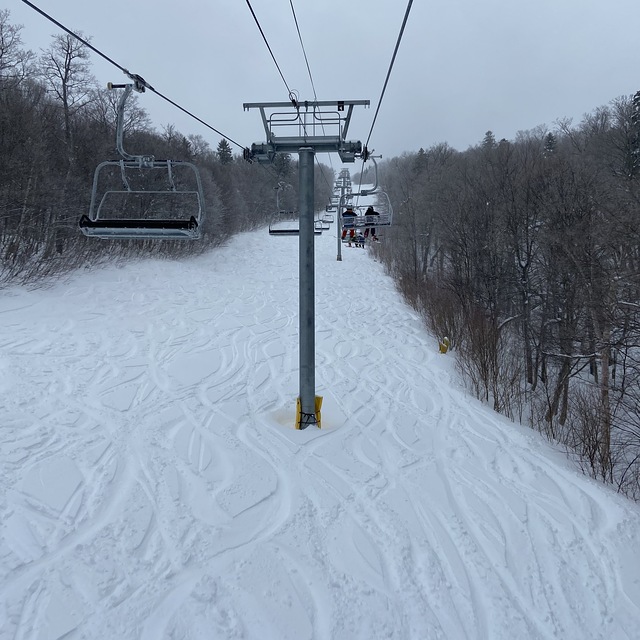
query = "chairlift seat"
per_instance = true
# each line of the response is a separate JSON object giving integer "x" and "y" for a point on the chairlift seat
{"x": 291, "y": 228}
{"x": 293, "y": 231}
{"x": 137, "y": 229}
{"x": 105, "y": 220}
{"x": 276, "y": 231}
{"x": 290, "y": 231}
{"x": 285, "y": 223}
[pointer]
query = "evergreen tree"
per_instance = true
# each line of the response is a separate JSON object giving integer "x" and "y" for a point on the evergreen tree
{"x": 489, "y": 140}
{"x": 421, "y": 161}
{"x": 224, "y": 152}
{"x": 550, "y": 144}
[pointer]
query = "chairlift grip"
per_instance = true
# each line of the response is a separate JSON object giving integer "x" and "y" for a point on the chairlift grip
{"x": 139, "y": 83}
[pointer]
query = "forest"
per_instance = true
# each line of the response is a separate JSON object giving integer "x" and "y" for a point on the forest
{"x": 524, "y": 253}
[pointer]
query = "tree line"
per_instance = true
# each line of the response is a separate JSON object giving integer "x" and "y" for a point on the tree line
{"x": 526, "y": 255}
{"x": 57, "y": 125}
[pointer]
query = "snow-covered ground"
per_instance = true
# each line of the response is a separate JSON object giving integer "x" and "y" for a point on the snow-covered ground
{"x": 153, "y": 485}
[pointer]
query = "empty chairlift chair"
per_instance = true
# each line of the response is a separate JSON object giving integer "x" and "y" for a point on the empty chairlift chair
{"x": 140, "y": 197}
{"x": 286, "y": 222}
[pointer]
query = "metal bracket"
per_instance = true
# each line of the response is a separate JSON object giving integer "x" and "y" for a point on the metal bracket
{"x": 309, "y": 123}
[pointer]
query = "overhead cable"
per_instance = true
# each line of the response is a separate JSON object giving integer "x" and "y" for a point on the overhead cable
{"x": 291, "y": 93}
{"x": 303, "y": 50}
{"x": 404, "y": 22}
{"x": 313, "y": 87}
{"x": 136, "y": 78}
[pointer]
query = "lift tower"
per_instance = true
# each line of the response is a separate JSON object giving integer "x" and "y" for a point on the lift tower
{"x": 306, "y": 128}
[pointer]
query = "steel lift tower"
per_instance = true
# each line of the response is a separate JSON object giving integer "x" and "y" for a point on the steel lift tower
{"x": 306, "y": 128}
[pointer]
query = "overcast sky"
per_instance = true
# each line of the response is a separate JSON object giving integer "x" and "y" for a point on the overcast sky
{"x": 464, "y": 66}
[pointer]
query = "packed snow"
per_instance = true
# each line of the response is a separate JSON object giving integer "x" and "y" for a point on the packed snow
{"x": 153, "y": 484}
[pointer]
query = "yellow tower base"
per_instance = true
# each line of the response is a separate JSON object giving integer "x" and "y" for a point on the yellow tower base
{"x": 299, "y": 416}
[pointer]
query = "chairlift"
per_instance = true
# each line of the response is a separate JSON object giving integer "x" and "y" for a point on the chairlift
{"x": 382, "y": 207}
{"x": 287, "y": 223}
{"x": 284, "y": 221}
{"x": 384, "y": 217}
{"x": 138, "y": 196}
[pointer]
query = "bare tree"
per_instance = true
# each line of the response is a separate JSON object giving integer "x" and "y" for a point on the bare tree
{"x": 102, "y": 110}
{"x": 64, "y": 67}
{"x": 15, "y": 62}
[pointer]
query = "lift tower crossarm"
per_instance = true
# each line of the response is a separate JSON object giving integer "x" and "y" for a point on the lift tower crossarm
{"x": 306, "y": 105}
{"x": 311, "y": 120}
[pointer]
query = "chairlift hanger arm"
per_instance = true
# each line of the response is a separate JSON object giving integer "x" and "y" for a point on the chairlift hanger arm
{"x": 143, "y": 160}
{"x": 366, "y": 192}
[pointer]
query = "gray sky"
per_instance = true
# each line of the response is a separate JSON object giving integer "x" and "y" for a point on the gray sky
{"x": 463, "y": 66}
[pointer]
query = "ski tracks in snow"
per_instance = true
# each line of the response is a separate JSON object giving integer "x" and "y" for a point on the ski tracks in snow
{"x": 154, "y": 486}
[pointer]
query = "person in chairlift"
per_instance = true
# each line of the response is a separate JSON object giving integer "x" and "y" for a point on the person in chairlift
{"x": 370, "y": 212}
{"x": 349, "y": 213}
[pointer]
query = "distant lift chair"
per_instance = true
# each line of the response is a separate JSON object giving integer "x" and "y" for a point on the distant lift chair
{"x": 383, "y": 208}
{"x": 140, "y": 197}
{"x": 286, "y": 222}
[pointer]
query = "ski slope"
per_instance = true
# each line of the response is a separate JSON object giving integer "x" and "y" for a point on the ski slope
{"x": 153, "y": 485}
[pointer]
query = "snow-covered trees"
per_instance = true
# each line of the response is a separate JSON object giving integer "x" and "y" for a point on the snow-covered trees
{"x": 526, "y": 255}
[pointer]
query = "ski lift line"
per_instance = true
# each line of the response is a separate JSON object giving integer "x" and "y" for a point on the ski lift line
{"x": 141, "y": 83}
{"x": 304, "y": 52}
{"x": 75, "y": 35}
{"x": 393, "y": 58}
{"x": 295, "y": 19}
{"x": 291, "y": 94}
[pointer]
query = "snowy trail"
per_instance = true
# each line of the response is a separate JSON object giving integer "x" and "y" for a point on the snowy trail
{"x": 153, "y": 485}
